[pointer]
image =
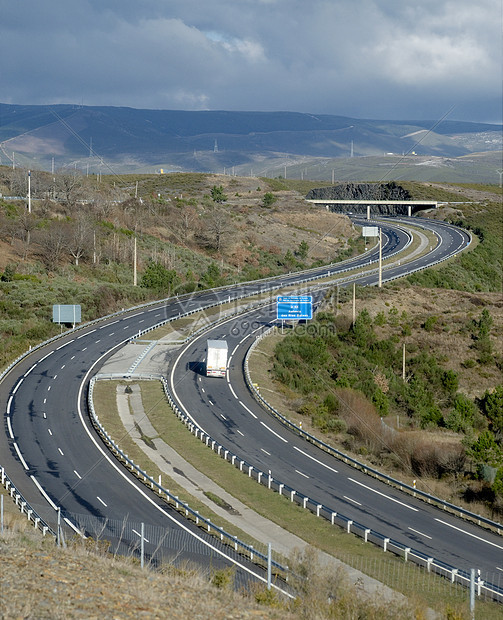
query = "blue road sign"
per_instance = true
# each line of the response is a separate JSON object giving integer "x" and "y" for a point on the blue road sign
{"x": 295, "y": 307}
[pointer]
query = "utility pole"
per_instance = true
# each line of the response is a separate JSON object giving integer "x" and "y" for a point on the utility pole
{"x": 500, "y": 172}
{"x": 134, "y": 266}
{"x": 354, "y": 303}
{"x": 380, "y": 257}
{"x": 29, "y": 191}
{"x": 403, "y": 363}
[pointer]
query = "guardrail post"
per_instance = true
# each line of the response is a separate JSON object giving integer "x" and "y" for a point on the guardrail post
{"x": 318, "y": 508}
{"x": 429, "y": 562}
{"x": 366, "y": 537}
{"x": 250, "y": 468}
{"x": 385, "y": 544}
{"x": 292, "y": 493}
{"x": 280, "y": 488}
{"x": 304, "y": 501}
{"x": 334, "y": 514}
{"x": 241, "y": 465}
{"x": 406, "y": 552}
{"x": 259, "y": 477}
{"x": 350, "y": 523}
{"x": 251, "y": 552}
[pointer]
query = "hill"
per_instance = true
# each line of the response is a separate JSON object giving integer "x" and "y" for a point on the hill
{"x": 266, "y": 143}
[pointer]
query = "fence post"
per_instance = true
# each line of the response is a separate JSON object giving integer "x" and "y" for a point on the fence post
{"x": 269, "y": 563}
{"x": 142, "y": 543}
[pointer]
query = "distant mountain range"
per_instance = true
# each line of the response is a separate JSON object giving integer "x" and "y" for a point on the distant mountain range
{"x": 103, "y": 139}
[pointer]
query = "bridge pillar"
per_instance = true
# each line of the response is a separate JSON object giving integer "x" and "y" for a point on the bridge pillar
{"x": 368, "y": 212}
{"x": 409, "y": 211}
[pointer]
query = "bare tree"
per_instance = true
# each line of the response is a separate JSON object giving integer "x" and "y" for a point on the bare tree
{"x": 79, "y": 238}
{"x": 218, "y": 228}
{"x": 53, "y": 242}
{"x": 68, "y": 186}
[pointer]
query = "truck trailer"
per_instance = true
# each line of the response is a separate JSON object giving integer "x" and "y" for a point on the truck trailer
{"x": 216, "y": 358}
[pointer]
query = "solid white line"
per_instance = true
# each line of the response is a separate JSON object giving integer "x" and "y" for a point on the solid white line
{"x": 235, "y": 349}
{"x": 131, "y": 316}
{"x": 299, "y": 472}
{"x": 63, "y": 345}
{"x": 498, "y": 568}
{"x": 9, "y": 404}
{"x": 77, "y": 474}
{"x": 315, "y": 460}
{"x": 100, "y": 500}
{"x": 468, "y": 534}
{"x": 61, "y": 452}
{"x": 17, "y": 386}
{"x": 10, "y": 428}
{"x": 87, "y": 333}
{"x": 243, "y": 339}
{"x": 351, "y": 500}
{"x": 418, "y": 532}
{"x": 242, "y": 434}
{"x": 249, "y": 411}
{"x": 37, "y": 484}
{"x": 383, "y": 495}
{"x": 273, "y": 432}
{"x": 233, "y": 392}
{"x": 45, "y": 356}
{"x": 265, "y": 452}
{"x": 20, "y": 456}
{"x": 28, "y": 371}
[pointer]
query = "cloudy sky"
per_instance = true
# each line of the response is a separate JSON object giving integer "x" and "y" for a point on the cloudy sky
{"x": 387, "y": 59}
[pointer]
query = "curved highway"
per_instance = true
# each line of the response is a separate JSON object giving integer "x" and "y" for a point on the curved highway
{"x": 55, "y": 459}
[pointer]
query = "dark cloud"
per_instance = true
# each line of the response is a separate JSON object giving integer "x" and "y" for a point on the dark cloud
{"x": 364, "y": 58}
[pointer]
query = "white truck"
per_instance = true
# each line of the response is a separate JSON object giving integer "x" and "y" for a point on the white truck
{"x": 216, "y": 358}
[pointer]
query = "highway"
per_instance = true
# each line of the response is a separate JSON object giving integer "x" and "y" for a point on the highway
{"x": 52, "y": 453}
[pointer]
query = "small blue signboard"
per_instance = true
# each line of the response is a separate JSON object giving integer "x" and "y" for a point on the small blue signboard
{"x": 295, "y": 307}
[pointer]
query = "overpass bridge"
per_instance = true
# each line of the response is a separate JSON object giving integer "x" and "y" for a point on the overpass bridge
{"x": 378, "y": 207}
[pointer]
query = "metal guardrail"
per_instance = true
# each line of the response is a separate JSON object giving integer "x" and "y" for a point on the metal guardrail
{"x": 430, "y": 499}
{"x": 24, "y": 506}
{"x": 181, "y": 506}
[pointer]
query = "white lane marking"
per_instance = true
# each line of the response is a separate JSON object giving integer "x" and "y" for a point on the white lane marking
{"x": 383, "y": 495}
{"x": 153, "y": 310}
{"x": 299, "y": 472}
{"x": 45, "y": 356}
{"x": 351, "y": 500}
{"x": 55, "y": 377}
{"x": 139, "y": 535}
{"x": 235, "y": 349}
{"x": 74, "y": 527}
{"x": 242, "y": 434}
{"x": 108, "y": 324}
{"x": 265, "y": 452}
{"x": 37, "y": 484}
{"x": 73, "y": 357}
{"x": 249, "y": 411}
{"x": 9, "y": 402}
{"x": 100, "y": 500}
{"x": 211, "y": 403}
{"x": 45, "y": 400}
{"x": 17, "y": 386}
{"x": 20, "y": 456}
{"x": 61, "y": 452}
{"x": 84, "y": 349}
{"x": 63, "y": 366}
{"x": 142, "y": 321}
{"x": 126, "y": 327}
{"x": 243, "y": 339}
{"x": 418, "y": 532}
{"x": 315, "y": 460}
{"x": 222, "y": 416}
{"x": 28, "y": 371}
{"x": 498, "y": 568}
{"x": 87, "y": 334}
{"x": 111, "y": 334}
{"x": 49, "y": 388}
{"x": 202, "y": 390}
{"x": 45, "y": 416}
{"x": 131, "y": 316}
{"x": 77, "y": 474}
{"x": 233, "y": 392}
{"x": 50, "y": 432}
{"x": 273, "y": 432}
{"x": 64, "y": 345}
{"x": 10, "y": 428}
{"x": 468, "y": 534}
{"x": 99, "y": 340}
